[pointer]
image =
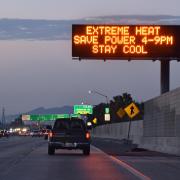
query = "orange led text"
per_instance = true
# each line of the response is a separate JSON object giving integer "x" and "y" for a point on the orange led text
{"x": 104, "y": 49}
{"x": 107, "y": 30}
{"x": 85, "y": 39}
{"x": 147, "y": 30}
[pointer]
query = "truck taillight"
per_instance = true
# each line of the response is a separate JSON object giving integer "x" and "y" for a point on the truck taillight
{"x": 50, "y": 134}
{"x": 88, "y": 135}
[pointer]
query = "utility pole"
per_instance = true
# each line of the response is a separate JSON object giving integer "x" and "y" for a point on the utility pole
{"x": 3, "y": 118}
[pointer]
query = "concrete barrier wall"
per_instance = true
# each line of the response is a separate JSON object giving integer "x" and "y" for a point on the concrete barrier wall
{"x": 162, "y": 123}
{"x": 162, "y": 115}
{"x": 120, "y": 131}
{"x": 160, "y": 129}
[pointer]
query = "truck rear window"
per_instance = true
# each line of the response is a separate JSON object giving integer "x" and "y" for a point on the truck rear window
{"x": 77, "y": 125}
{"x": 65, "y": 124}
{"x": 61, "y": 125}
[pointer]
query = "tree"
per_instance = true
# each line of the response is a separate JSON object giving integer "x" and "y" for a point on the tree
{"x": 120, "y": 101}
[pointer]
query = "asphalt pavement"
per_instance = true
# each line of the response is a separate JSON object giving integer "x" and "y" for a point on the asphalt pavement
{"x": 26, "y": 158}
{"x": 152, "y": 164}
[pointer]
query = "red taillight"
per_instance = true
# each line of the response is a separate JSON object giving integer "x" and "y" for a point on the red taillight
{"x": 88, "y": 136}
{"x": 50, "y": 134}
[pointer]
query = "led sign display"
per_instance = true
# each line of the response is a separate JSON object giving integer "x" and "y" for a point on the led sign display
{"x": 126, "y": 41}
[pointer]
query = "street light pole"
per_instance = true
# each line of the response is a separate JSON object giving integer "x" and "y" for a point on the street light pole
{"x": 107, "y": 114}
{"x": 96, "y": 92}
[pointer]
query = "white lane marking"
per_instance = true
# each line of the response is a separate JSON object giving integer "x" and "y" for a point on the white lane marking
{"x": 132, "y": 170}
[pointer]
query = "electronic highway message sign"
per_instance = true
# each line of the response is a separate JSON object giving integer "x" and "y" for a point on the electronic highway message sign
{"x": 126, "y": 41}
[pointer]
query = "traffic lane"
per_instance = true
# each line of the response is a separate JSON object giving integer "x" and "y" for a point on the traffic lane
{"x": 67, "y": 165}
{"x": 16, "y": 141}
{"x": 14, "y": 149}
{"x": 18, "y": 145}
{"x": 155, "y": 167}
{"x": 113, "y": 146}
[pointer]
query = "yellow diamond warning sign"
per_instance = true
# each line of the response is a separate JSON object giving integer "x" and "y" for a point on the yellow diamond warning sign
{"x": 121, "y": 113}
{"x": 94, "y": 120}
{"x": 132, "y": 110}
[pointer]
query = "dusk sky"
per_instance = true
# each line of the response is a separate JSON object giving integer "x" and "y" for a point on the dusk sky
{"x": 42, "y": 73}
{"x": 68, "y": 9}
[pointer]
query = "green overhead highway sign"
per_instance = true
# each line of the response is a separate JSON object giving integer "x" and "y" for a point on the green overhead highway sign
{"x": 107, "y": 110}
{"x": 83, "y": 109}
{"x": 48, "y": 117}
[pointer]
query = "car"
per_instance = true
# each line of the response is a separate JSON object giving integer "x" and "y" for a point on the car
{"x": 35, "y": 133}
{"x": 4, "y": 133}
{"x": 45, "y": 133}
{"x": 1, "y": 133}
{"x": 24, "y": 133}
{"x": 69, "y": 133}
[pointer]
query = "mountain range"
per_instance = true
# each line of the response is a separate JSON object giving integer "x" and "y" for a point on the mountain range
{"x": 42, "y": 110}
{"x": 26, "y": 29}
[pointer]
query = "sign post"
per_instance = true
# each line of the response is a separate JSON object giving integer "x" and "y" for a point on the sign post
{"x": 131, "y": 110}
{"x": 165, "y": 76}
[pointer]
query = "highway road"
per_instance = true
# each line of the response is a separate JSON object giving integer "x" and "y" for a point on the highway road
{"x": 26, "y": 158}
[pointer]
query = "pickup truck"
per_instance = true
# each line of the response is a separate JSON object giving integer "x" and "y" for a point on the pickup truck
{"x": 69, "y": 133}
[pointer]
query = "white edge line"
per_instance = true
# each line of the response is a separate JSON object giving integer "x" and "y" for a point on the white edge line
{"x": 125, "y": 165}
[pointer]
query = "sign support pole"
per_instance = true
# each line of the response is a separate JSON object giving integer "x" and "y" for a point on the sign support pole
{"x": 165, "y": 76}
{"x": 129, "y": 129}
